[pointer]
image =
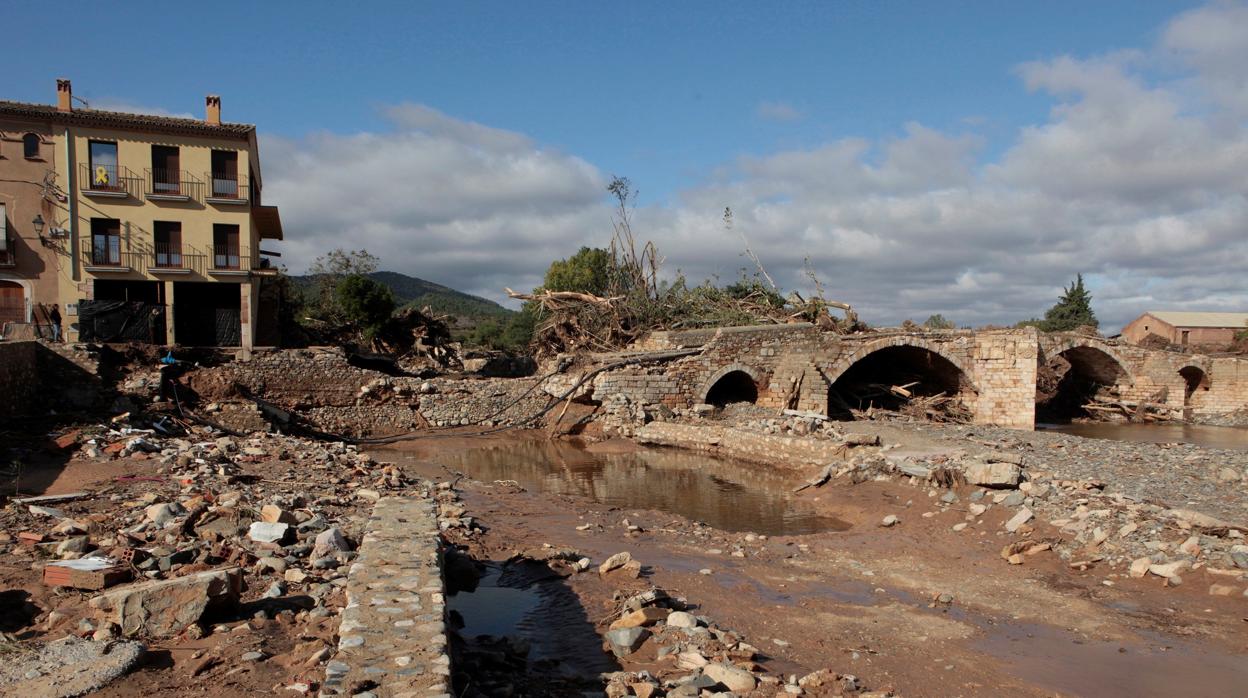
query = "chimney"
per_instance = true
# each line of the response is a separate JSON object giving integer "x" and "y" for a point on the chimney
{"x": 213, "y": 109}
{"x": 64, "y": 95}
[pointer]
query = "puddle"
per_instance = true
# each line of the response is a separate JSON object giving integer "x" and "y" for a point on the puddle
{"x": 728, "y": 495}
{"x": 1235, "y": 438}
{"x": 490, "y": 609}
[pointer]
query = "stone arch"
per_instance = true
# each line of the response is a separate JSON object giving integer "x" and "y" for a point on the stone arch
{"x": 916, "y": 366}
{"x": 733, "y": 380}
{"x": 1071, "y": 373}
{"x": 1196, "y": 381}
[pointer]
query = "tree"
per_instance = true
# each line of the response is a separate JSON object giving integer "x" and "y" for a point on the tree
{"x": 364, "y": 302}
{"x": 1072, "y": 311}
{"x": 330, "y": 270}
{"x": 585, "y": 272}
{"x": 938, "y": 322}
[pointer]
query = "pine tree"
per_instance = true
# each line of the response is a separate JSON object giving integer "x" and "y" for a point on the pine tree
{"x": 1072, "y": 310}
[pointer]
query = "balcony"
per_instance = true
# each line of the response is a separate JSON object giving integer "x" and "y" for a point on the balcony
{"x": 229, "y": 260}
{"x": 8, "y": 255}
{"x": 228, "y": 189}
{"x": 109, "y": 181}
{"x": 172, "y": 258}
{"x": 105, "y": 256}
{"x": 173, "y": 185}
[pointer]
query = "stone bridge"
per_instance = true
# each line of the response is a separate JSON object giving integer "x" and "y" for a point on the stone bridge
{"x": 992, "y": 373}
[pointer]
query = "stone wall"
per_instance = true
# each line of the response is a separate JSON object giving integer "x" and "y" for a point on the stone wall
{"x": 1005, "y": 373}
{"x": 797, "y": 452}
{"x": 36, "y": 377}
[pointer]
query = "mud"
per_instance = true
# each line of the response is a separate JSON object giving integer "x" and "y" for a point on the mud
{"x": 861, "y": 601}
{"x": 1235, "y": 438}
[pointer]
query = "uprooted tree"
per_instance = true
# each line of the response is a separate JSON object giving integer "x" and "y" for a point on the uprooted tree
{"x": 603, "y": 299}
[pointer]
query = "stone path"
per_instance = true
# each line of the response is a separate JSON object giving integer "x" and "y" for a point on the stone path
{"x": 392, "y": 636}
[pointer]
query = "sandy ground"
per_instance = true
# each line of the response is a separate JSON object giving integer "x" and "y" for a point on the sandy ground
{"x": 861, "y": 601}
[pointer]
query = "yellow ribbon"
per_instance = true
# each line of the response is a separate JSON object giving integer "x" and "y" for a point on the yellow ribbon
{"x": 101, "y": 175}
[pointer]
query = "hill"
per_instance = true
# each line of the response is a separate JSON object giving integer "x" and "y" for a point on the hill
{"x": 467, "y": 309}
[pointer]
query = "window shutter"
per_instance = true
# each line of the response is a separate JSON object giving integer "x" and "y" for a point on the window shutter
{"x": 4, "y": 229}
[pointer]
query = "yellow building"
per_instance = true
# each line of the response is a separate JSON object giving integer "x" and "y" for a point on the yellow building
{"x": 161, "y": 225}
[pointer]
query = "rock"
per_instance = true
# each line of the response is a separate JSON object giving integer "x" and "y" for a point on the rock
{"x": 1013, "y": 499}
{"x": 737, "y": 680}
{"x": 252, "y": 656}
{"x": 977, "y": 509}
{"x": 265, "y": 532}
{"x": 1170, "y": 569}
{"x": 1139, "y": 567}
{"x": 330, "y": 542}
{"x": 271, "y": 513}
{"x": 163, "y": 513}
{"x": 367, "y": 494}
{"x": 681, "y": 619}
{"x": 1196, "y": 518}
{"x": 616, "y": 561}
{"x": 624, "y": 641}
{"x": 167, "y": 607}
{"x": 1240, "y": 559}
{"x": 1191, "y": 546}
{"x": 993, "y": 474}
{"x": 270, "y": 564}
{"x": 69, "y": 667}
{"x": 77, "y": 544}
{"x": 959, "y": 526}
{"x": 1023, "y": 516}
{"x": 890, "y": 520}
{"x": 1229, "y": 475}
{"x": 645, "y": 616}
{"x": 1221, "y": 590}
{"x": 690, "y": 660}
{"x": 295, "y": 576}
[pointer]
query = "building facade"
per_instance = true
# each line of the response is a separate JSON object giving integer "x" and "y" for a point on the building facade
{"x": 29, "y": 264}
{"x": 159, "y": 224}
{"x": 1187, "y": 328}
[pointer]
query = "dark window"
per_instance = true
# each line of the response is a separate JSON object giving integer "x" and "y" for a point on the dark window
{"x": 1185, "y": 335}
{"x": 168, "y": 240}
{"x": 225, "y": 251}
{"x": 105, "y": 241}
{"x": 225, "y": 173}
{"x": 104, "y": 165}
{"x": 30, "y": 145}
{"x": 166, "y": 171}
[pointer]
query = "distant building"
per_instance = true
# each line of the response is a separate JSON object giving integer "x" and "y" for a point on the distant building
{"x": 152, "y": 224}
{"x": 1186, "y": 328}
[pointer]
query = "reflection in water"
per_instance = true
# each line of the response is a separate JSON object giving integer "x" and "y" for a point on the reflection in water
{"x": 727, "y": 495}
{"x": 491, "y": 609}
{"x": 1196, "y": 434}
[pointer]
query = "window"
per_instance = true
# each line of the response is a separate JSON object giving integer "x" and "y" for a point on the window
{"x": 225, "y": 252}
{"x": 167, "y": 236}
{"x": 225, "y": 174}
{"x": 106, "y": 241}
{"x": 30, "y": 146}
{"x": 103, "y": 165}
{"x": 1185, "y": 337}
{"x": 166, "y": 174}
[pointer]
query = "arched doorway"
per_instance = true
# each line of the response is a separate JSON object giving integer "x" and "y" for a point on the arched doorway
{"x": 1073, "y": 379}
{"x": 734, "y": 386}
{"x": 1195, "y": 384}
{"x": 891, "y": 377}
{"x": 12, "y": 302}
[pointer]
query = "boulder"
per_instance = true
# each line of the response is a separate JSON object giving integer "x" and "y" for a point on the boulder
{"x": 735, "y": 679}
{"x": 993, "y": 474}
{"x": 330, "y": 542}
{"x": 1023, "y": 516}
{"x": 615, "y": 562}
{"x": 624, "y": 641}
{"x": 265, "y": 532}
{"x": 167, "y": 607}
{"x": 646, "y": 616}
{"x": 271, "y": 513}
{"x": 681, "y": 619}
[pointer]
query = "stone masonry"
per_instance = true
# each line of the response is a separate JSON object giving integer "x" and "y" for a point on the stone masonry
{"x": 392, "y": 635}
{"x": 793, "y": 366}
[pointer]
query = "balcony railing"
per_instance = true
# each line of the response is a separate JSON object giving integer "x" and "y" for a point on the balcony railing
{"x": 109, "y": 180}
{"x": 229, "y": 258}
{"x": 168, "y": 255}
{"x": 8, "y": 255}
{"x": 228, "y": 187}
{"x": 173, "y": 184}
{"x": 108, "y": 254}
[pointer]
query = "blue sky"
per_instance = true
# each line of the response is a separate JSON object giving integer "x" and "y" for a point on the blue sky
{"x": 967, "y": 158}
{"x": 660, "y": 92}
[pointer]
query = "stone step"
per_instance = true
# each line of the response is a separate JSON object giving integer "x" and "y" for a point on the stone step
{"x": 392, "y": 634}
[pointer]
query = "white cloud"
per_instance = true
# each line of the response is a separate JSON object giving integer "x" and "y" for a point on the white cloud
{"x": 1136, "y": 178}
{"x": 128, "y": 107}
{"x": 778, "y": 111}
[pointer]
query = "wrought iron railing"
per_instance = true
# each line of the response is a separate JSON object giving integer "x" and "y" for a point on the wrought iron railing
{"x": 162, "y": 182}
{"x": 168, "y": 255}
{"x": 228, "y": 185}
{"x": 229, "y": 257}
{"x": 8, "y": 255}
{"x": 110, "y": 179}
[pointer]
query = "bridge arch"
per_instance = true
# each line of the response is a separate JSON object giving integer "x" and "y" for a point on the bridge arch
{"x": 1072, "y": 372}
{"x": 732, "y": 383}
{"x": 866, "y": 376}
{"x": 1196, "y": 383}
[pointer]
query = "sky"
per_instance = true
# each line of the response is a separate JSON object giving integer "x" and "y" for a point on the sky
{"x": 962, "y": 158}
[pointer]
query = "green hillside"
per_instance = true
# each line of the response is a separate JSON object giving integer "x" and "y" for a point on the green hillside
{"x": 409, "y": 290}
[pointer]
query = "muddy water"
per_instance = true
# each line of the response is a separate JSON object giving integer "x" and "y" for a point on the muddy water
{"x": 728, "y": 495}
{"x": 1235, "y": 438}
